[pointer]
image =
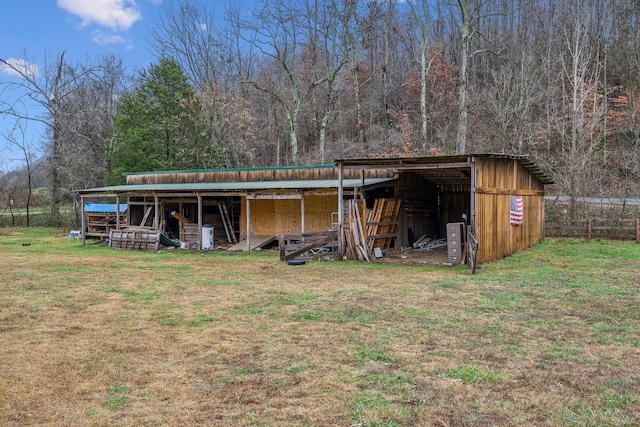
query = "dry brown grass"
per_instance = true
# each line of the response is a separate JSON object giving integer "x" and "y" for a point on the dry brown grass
{"x": 93, "y": 336}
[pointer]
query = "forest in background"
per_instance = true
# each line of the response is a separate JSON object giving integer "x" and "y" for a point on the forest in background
{"x": 307, "y": 82}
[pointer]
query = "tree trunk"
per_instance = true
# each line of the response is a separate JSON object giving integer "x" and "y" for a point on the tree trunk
{"x": 461, "y": 139}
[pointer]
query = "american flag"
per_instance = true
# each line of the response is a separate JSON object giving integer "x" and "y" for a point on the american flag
{"x": 515, "y": 216}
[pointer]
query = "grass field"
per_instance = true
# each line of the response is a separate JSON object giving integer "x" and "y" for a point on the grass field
{"x": 91, "y": 336}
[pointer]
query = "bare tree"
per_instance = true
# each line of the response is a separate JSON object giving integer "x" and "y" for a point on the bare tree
{"x": 472, "y": 16}
{"x": 281, "y": 35}
{"x": 49, "y": 87}
{"x": 584, "y": 114}
{"x": 327, "y": 56}
{"x": 189, "y": 32}
{"x": 17, "y": 137}
{"x": 421, "y": 16}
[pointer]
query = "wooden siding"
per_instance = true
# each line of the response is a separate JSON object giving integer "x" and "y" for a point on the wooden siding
{"x": 283, "y": 216}
{"x": 251, "y": 175}
{"x": 496, "y": 180}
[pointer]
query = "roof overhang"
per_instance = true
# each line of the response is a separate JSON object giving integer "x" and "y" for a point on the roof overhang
{"x": 235, "y": 187}
{"x": 440, "y": 164}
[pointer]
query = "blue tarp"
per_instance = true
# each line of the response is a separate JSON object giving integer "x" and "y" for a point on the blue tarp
{"x": 104, "y": 207}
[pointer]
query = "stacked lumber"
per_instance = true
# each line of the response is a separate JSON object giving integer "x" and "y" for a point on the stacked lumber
{"x": 382, "y": 223}
{"x": 355, "y": 238}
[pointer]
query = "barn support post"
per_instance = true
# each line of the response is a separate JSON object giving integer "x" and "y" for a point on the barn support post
{"x": 156, "y": 211}
{"x": 117, "y": 211}
{"x": 199, "y": 221}
{"x": 638, "y": 230}
{"x": 340, "y": 208}
{"x": 248, "y": 223}
{"x": 302, "y": 226}
{"x": 84, "y": 224}
{"x": 472, "y": 201}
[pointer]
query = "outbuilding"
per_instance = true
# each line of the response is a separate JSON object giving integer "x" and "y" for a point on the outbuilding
{"x": 498, "y": 198}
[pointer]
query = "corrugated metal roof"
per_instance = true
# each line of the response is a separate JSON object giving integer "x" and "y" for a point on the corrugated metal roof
{"x": 238, "y": 186}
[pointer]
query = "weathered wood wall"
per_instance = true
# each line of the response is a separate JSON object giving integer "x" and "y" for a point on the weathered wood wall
{"x": 251, "y": 175}
{"x": 283, "y": 216}
{"x": 496, "y": 180}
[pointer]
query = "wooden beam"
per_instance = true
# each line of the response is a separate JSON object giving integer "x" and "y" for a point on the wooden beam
{"x": 83, "y": 221}
{"x": 274, "y": 196}
{"x": 340, "y": 207}
{"x": 506, "y": 191}
{"x": 248, "y": 204}
{"x": 156, "y": 214}
{"x": 302, "y": 215}
{"x": 118, "y": 212}
{"x": 199, "y": 221}
{"x": 410, "y": 166}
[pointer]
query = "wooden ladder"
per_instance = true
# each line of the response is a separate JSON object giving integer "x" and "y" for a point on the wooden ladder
{"x": 228, "y": 226}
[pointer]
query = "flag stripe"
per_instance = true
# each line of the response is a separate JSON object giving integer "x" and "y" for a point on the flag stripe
{"x": 516, "y": 210}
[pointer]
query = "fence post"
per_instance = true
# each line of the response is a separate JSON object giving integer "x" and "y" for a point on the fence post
{"x": 638, "y": 229}
{"x": 588, "y": 229}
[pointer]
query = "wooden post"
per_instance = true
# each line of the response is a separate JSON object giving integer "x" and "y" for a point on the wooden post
{"x": 156, "y": 213}
{"x": 83, "y": 220}
{"x": 340, "y": 208}
{"x": 117, "y": 212}
{"x": 281, "y": 247}
{"x": 199, "y": 240}
{"x": 638, "y": 230}
{"x": 302, "y": 227}
{"x": 589, "y": 229}
{"x": 248, "y": 223}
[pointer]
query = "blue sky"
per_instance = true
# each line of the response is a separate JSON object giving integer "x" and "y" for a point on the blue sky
{"x": 81, "y": 28}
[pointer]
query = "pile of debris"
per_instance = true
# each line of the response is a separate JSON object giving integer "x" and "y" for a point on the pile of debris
{"x": 425, "y": 243}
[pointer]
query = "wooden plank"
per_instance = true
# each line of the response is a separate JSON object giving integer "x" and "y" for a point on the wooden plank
{"x": 521, "y": 192}
{"x": 322, "y": 242}
{"x": 179, "y": 217}
{"x": 256, "y": 242}
{"x": 146, "y": 216}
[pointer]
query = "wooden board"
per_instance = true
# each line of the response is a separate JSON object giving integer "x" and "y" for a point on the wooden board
{"x": 256, "y": 242}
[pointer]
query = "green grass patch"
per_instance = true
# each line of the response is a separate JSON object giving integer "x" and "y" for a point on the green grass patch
{"x": 473, "y": 374}
{"x": 117, "y": 397}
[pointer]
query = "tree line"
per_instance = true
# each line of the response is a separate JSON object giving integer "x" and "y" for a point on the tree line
{"x": 296, "y": 83}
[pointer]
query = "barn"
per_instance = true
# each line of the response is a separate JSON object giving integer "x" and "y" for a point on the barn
{"x": 499, "y": 198}
{"x": 248, "y": 207}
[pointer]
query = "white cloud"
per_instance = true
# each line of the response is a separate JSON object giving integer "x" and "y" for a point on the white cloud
{"x": 107, "y": 39}
{"x": 18, "y": 68}
{"x": 115, "y": 14}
